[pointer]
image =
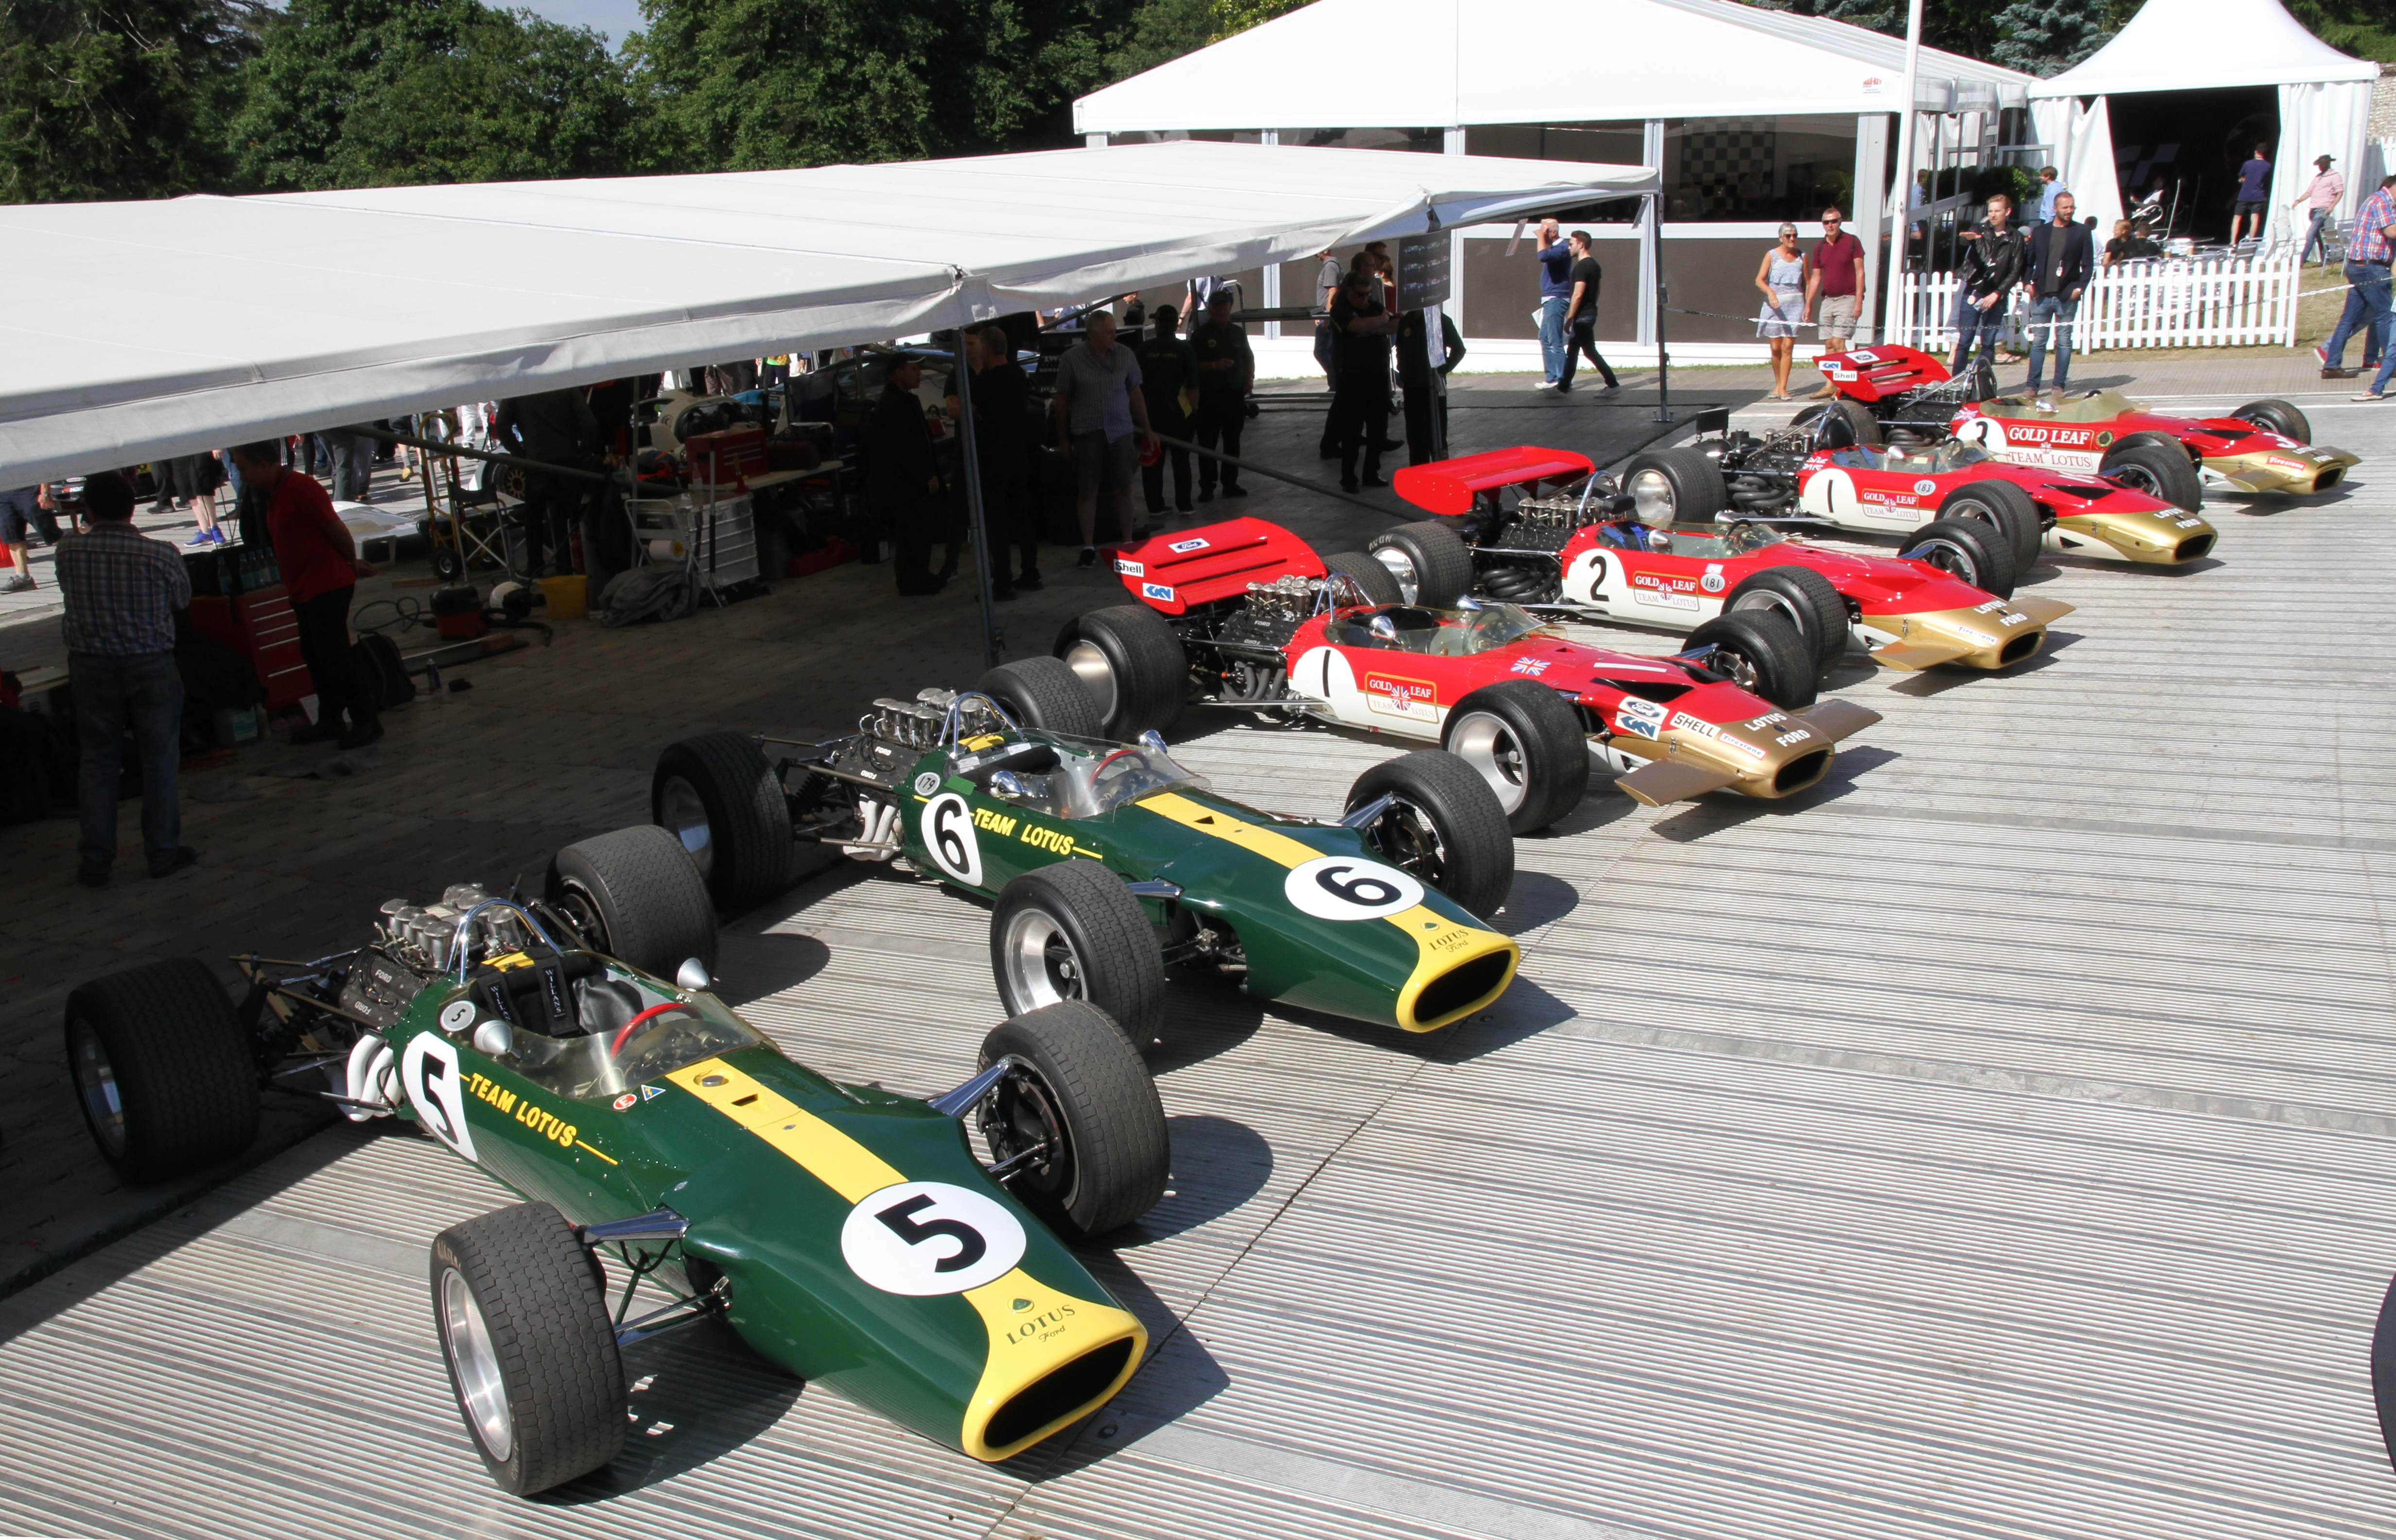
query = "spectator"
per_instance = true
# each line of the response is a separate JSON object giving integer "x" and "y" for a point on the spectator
{"x": 194, "y": 479}
{"x": 1781, "y": 279}
{"x": 1580, "y": 322}
{"x": 903, "y": 477}
{"x": 2128, "y": 246}
{"x": 2321, "y": 196}
{"x": 2254, "y": 188}
{"x": 556, "y": 428}
{"x": 18, "y": 508}
{"x": 1327, "y": 289}
{"x": 2057, "y": 277}
{"x": 1359, "y": 407}
{"x": 1000, "y": 393}
{"x": 1836, "y": 283}
{"x": 353, "y": 460}
{"x": 777, "y": 372}
{"x": 1420, "y": 379}
{"x": 1167, "y": 370}
{"x": 1227, "y": 370}
{"x": 2367, "y": 278}
{"x": 1202, "y": 294}
{"x": 1555, "y": 293}
{"x": 122, "y": 591}
{"x": 1986, "y": 270}
{"x": 320, "y": 574}
{"x": 2048, "y": 190}
{"x": 1103, "y": 421}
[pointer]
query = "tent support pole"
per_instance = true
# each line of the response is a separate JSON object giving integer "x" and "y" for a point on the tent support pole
{"x": 1901, "y": 244}
{"x": 1663, "y": 359}
{"x": 974, "y": 519}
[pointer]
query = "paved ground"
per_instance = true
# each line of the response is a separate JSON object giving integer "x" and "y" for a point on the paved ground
{"x": 1993, "y": 1142}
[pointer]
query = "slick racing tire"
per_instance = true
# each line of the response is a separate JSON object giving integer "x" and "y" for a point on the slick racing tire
{"x": 2155, "y": 464}
{"x": 1763, "y": 654}
{"x": 1446, "y": 826}
{"x": 162, "y": 1069}
{"x": 1043, "y": 693}
{"x": 1860, "y": 417}
{"x": 2012, "y": 511}
{"x": 1133, "y": 666}
{"x": 1072, "y": 931}
{"x": 1080, "y": 1087}
{"x": 1964, "y": 549}
{"x": 1431, "y": 562}
{"x": 521, "y": 1307}
{"x": 1379, "y": 583}
{"x": 2274, "y": 416}
{"x": 1807, "y": 599}
{"x": 1675, "y": 485}
{"x": 1527, "y": 745}
{"x": 719, "y": 799}
{"x": 378, "y": 661}
{"x": 635, "y": 895}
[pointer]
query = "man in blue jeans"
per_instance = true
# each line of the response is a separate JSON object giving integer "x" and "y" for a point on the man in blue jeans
{"x": 2367, "y": 293}
{"x": 2059, "y": 252}
{"x": 1555, "y": 296}
{"x": 1990, "y": 267}
{"x": 122, "y": 591}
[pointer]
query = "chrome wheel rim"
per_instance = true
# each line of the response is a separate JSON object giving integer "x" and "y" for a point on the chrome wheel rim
{"x": 1041, "y": 968}
{"x": 1401, "y": 567}
{"x": 1491, "y": 748}
{"x": 1775, "y": 603}
{"x": 96, "y": 1083}
{"x": 680, "y": 809}
{"x": 476, "y": 1364}
{"x": 1952, "y": 560}
{"x": 1021, "y": 1115}
{"x": 1735, "y": 664}
{"x": 1408, "y": 838}
{"x": 1091, "y": 667}
{"x": 1651, "y": 497}
{"x": 2138, "y": 478}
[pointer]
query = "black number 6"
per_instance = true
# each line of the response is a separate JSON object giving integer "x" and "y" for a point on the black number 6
{"x": 1367, "y": 892}
{"x": 901, "y": 1220}
{"x": 950, "y": 840}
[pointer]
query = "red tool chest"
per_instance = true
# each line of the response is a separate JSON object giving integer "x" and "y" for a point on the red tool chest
{"x": 261, "y": 627}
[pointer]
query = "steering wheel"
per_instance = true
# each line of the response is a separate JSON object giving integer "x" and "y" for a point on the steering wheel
{"x": 625, "y": 1032}
{"x": 1109, "y": 760}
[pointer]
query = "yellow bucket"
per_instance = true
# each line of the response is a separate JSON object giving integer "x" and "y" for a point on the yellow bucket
{"x": 567, "y": 597}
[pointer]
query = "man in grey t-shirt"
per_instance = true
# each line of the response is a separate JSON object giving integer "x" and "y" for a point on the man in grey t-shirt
{"x": 1102, "y": 422}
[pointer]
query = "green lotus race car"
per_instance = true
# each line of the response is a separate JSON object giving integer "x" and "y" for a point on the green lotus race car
{"x": 852, "y": 1236}
{"x": 1105, "y": 862}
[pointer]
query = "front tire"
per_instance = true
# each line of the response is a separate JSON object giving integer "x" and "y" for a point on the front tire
{"x": 162, "y": 1070}
{"x": 719, "y": 799}
{"x": 1447, "y": 828}
{"x": 1675, "y": 485}
{"x": 1805, "y": 598}
{"x": 2274, "y": 416}
{"x": 1079, "y": 1086}
{"x": 1764, "y": 655}
{"x": 1043, "y": 693}
{"x": 635, "y": 895}
{"x": 1526, "y": 746}
{"x": 2005, "y": 507}
{"x": 2155, "y": 464}
{"x": 1379, "y": 583}
{"x": 1966, "y": 550}
{"x": 1073, "y": 932}
{"x": 1132, "y": 664}
{"x": 1432, "y": 564}
{"x": 523, "y": 1319}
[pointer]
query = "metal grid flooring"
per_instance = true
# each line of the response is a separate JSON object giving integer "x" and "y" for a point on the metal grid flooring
{"x": 1996, "y": 1145}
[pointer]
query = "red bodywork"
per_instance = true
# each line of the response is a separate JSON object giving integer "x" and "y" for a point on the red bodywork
{"x": 1450, "y": 485}
{"x": 1875, "y": 585}
{"x": 1176, "y": 573}
{"x": 1889, "y": 483}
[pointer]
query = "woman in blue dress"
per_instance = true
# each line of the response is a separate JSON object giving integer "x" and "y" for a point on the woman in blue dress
{"x": 1781, "y": 277}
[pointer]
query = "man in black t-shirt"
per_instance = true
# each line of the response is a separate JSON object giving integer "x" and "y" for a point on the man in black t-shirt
{"x": 1580, "y": 315}
{"x": 1360, "y": 406}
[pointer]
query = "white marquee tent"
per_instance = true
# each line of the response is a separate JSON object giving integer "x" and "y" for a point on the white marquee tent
{"x": 137, "y": 330}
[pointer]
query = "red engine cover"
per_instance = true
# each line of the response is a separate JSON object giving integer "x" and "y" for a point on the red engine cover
{"x": 1877, "y": 373}
{"x": 1175, "y": 573}
{"x": 1449, "y": 486}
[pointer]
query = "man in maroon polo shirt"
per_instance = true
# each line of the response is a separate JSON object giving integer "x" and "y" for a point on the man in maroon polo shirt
{"x": 320, "y": 572}
{"x": 1834, "y": 280}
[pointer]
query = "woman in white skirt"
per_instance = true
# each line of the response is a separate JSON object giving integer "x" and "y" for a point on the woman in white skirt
{"x": 1782, "y": 278}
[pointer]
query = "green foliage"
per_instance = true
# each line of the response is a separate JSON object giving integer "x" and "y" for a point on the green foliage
{"x": 2047, "y": 37}
{"x": 1162, "y": 31}
{"x": 2364, "y": 28}
{"x": 2017, "y": 182}
{"x": 114, "y": 98}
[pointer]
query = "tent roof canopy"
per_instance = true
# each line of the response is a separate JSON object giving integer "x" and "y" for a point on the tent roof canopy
{"x": 1467, "y": 61}
{"x": 2207, "y": 44}
{"x": 137, "y": 330}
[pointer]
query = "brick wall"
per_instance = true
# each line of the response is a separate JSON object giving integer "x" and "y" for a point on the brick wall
{"x": 2383, "y": 105}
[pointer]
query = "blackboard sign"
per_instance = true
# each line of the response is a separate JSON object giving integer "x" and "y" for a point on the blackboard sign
{"x": 1422, "y": 269}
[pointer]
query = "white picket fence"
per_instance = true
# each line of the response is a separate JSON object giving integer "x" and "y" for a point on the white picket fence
{"x": 2162, "y": 303}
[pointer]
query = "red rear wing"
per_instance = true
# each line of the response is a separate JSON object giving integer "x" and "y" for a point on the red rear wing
{"x": 1877, "y": 373}
{"x": 1449, "y": 486}
{"x": 1175, "y": 573}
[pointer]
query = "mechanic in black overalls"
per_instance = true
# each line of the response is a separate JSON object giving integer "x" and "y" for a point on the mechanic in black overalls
{"x": 903, "y": 479}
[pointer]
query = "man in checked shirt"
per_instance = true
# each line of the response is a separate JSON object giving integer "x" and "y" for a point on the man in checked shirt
{"x": 122, "y": 591}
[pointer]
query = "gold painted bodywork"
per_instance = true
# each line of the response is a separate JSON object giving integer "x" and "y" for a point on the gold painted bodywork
{"x": 2150, "y": 540}
{"x": 1750, "y": 757}
{"x": 2297, "y": 470}
{"x": 1976, "y": 638}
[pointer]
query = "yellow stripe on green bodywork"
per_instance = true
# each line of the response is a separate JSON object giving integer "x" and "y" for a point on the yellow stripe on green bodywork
{"x": 1441, "y": 944}
{"x": 1015, "y": 1357}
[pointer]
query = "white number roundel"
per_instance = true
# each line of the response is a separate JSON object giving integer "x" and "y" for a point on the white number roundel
{"x": 1342, "y": 887}
{"x": 929, "y": 1238}
{"x": 949, "y": 836}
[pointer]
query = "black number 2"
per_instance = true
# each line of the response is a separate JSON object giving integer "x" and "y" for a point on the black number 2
{"x": 901, "y": 1219}
{"x": 1366, "y": 892}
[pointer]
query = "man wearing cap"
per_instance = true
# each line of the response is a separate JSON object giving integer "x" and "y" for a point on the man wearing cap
{"x": 2321, "y": 196}
{"x": 1227, "y": 370}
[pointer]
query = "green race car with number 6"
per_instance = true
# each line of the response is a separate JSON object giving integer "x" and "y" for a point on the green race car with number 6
{"x": 1107, "y": 862}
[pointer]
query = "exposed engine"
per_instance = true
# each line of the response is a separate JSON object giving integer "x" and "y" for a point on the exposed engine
{"x": 844, "y": 793}
{"x": 423, "y": 937}
{"x": 1520, "y": 554}
{"x": 1761, "y": 473}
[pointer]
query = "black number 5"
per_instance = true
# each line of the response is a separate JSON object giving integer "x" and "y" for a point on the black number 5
{"x": 901, "y": 1220}
{"x": 1366, "y": 892}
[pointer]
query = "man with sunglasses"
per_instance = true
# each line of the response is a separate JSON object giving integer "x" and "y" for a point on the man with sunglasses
{"x": 1834, "y": 281}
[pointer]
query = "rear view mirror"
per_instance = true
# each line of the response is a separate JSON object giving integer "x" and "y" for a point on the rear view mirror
{"x": 692, "y": 976}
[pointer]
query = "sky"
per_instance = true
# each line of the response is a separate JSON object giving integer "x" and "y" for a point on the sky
{"x": 615, "y": 17}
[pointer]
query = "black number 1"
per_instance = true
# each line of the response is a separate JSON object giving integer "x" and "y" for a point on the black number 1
{"x": 901, "y": 1220}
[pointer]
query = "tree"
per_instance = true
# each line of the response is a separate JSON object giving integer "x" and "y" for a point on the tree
{"x": 114, "y": 98}
{"x": 2047, "y": 37}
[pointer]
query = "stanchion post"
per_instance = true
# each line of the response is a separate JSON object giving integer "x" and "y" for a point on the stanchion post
{"x": 982, "y": 555}
{"x": 1663, "y": 292}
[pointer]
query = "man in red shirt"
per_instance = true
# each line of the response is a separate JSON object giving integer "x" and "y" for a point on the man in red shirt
{"x": 1834, "y": 278}
{"x": 320, "y": 572}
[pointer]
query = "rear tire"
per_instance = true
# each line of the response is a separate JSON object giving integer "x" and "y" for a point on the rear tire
{"x": 1448, "y": 827}
{"x": 2274, "y": 416}
{"x": 1043, "y": 693}
{"x": 1860, "y": 417}
{"x": 521, "y": 1313}
{"x": 163, "y": 1075}
{"x": 718, "y": 796}
{"x": 2005, "y": 507}
{"x": 1380, "y": 585}
{"x": 1675, "y": 485}
{"x": 1763, "y": 654}
{"x": 1072, "y": 931}
{"x": 1431, "y": 562}
{"x": 1082, "y": 1083}
{"x": 1133, "y": 666}
{"x": 1805, "y": 598}
{"x": 1967, "y": 550}
{"x": 636, "y": 897}
{"x": 2155, "y": 464}
{"x": 1526, "y": 746}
